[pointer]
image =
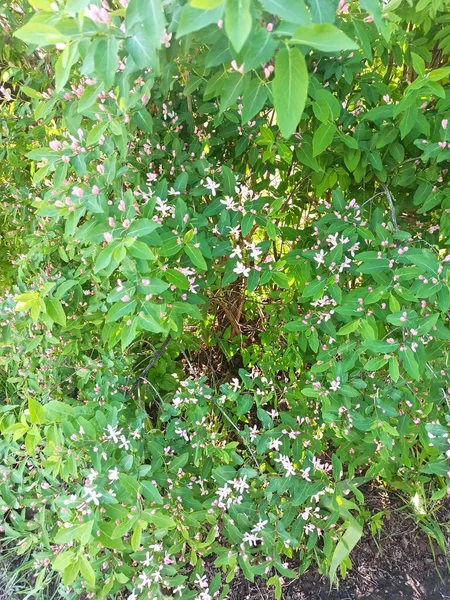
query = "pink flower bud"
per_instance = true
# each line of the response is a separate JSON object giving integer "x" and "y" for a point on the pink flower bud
{"x": 108, "y": 236}
{"x": 78, "y": 192}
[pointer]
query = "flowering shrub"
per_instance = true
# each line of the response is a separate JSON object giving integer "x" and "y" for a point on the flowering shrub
{"x": 225, "y": 296}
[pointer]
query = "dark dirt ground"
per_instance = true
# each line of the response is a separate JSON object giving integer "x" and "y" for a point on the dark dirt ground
{"x": 396, "y": 564}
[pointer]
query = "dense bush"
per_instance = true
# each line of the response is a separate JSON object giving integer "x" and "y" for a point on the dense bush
{"x": 225, "y": 285}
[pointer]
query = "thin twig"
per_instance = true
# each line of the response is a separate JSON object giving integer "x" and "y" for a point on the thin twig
{"x": 153, "y": 360}
{"x": 236, "y": 428}
{"x": 391, "y": 204}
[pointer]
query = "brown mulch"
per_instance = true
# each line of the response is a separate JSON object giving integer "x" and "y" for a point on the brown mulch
{"x": 396, "y": 564}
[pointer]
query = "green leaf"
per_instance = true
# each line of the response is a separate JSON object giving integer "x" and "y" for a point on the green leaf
{"x": 106, "y": 60}
{"x": 96, "y": 133}
{"x": 290, "y": 87}
{"x": 192, "y": 19}
{"x": 56, "y": 412}
{"x": 178, "y": 279}
{"x": 345, "y": 545}
{"x": 144, "y": 120}
{"x": 63, "y": 560}
{"x": 394, "y": 371}
{"x": 349, "y": 327}
{"x": 55, "y": 311}
{"x": 231, "y": 90}
{"x": 162, "y": 521}
{"x": 323, "y": 11}
{"x": 375, "y": 363}
{"x": 409, "y": 363}
{"x": 142, "y": 48}
{"x": 141, "y": 250}
{"x": 205, "y": 4}
{"x": 196, "y": 257}
{"x": 142, "y": 227}
{"x": 89, "y": 96}
{"x": 147, "y": 18}
{"x": 373, "y": 7}
{"x": 238, "y": 22}
{"x": 259, "y": 49}
{"x": 36, "y": 410}
{"x": 253, "y": 99}
{"x": 87, "y": 571}
{"x": 323, "y": 136}
{"x": 326, "y": 38}
{"x": 151, "y": 492}
{"x": 64, "y": 63}
{"x": 136, "y": 537}
{"x": 120, "y": 309}
{"x": 39, "y": 34}
{"x": 293, "y": 11}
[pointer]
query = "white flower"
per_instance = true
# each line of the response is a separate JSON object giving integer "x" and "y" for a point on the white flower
{"x": 240, "y": 484}
{"x": 335, "y": 385}
{"x": 201, "y": 581}
{"x": 241, "y": 269}
{"x": 113, "y": 474}
{"x": 254, "y": 431}
{"x": 146, "y": 581}
{"x": 112, "y": 433}
{"x": 259, "y": 526}
{"x": 275, "y": 444}
{"x": 148, "y": 559}
{"x": 235, "y": 384}
{"x": 230, "y": 204}
{"x": 211, "y": 186}
{"x": 305, "y": 473}
{"x": 132, "y": 596}
{"x": 179, "y": 589}
{"x": 124, "y": 443}
{"x": 285, "y": 462}
{"x": 320, "y": 258}
{"x": 93, "y": 496}
{"x": 237, "y": 251}
{"x": 251, "y": 538}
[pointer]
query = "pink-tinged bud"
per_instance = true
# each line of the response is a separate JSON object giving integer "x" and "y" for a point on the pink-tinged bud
{"x": 95, "y": 190}
{"x": 386, "y": 98}
{"x": 108, "y": 236}
{"x": 121, "y": 206}
{"x": 442, "y": 144}
{"x": 447, "y": 258}
{"x": 111, "y": 222}
{"x": 125, "y": 298}
{"x": 55, "y": 145}
{"x": 144, "y": 99}
{"x": 220, "y": 23}
{"x": 65, "y": 159}
{"x": 78, "y": 192}
{"x": 368, "y": 19}
{"x": 101, "y": 169}
{"x": 236, "y": 68}
{"x": 96, "y": 14}
{"x": 126, "y": 223}
{"x": 444, "y": 123}
{"x": 269, "y": 27}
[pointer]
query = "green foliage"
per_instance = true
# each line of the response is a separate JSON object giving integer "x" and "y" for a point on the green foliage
{"x": 224, "y": 288}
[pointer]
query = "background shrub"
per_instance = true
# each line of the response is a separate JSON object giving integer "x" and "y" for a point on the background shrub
{"x": 225, "y": 285}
